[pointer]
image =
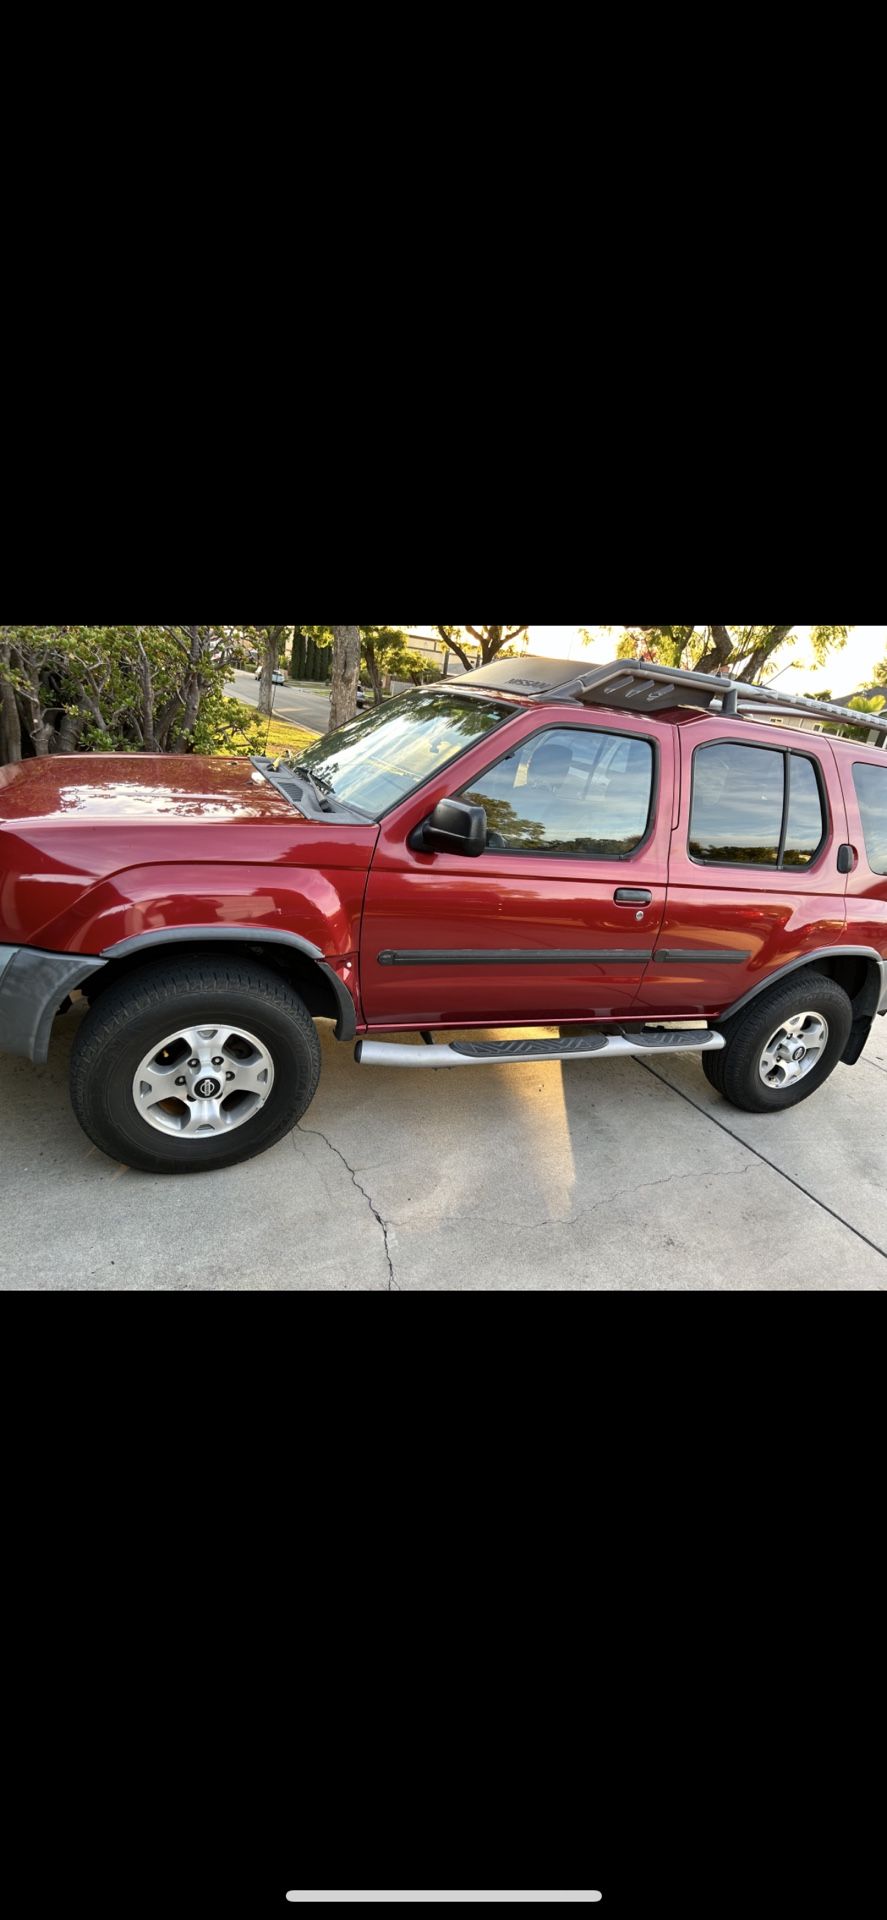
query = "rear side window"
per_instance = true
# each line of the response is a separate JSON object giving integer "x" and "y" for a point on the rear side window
{"x": 755, "y": 807}
{"x": 871, "y": 792}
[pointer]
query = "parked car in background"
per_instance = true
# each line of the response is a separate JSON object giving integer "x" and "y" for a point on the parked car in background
{"x": 278, "y": 676}
{"x": 635, "y": 857}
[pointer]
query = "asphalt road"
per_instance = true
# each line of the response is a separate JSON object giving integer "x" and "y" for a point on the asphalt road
{"x": 303, "y": 707}
{"x": 629, "y": 1175}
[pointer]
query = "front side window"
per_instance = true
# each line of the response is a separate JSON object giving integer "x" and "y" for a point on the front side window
{"x": 568, "y": 791}
{"x": 871, "y": 792}
{"x": 755, "y": 807}
{"x": 382, "y": 758}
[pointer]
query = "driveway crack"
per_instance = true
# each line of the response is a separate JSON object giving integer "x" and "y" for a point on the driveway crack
{"x": 393, "y": 1286}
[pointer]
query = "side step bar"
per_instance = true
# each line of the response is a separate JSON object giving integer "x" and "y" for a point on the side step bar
{"x": 488, "y": 1053}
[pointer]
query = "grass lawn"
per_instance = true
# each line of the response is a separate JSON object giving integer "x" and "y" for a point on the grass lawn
{"x": 283, "y": 738}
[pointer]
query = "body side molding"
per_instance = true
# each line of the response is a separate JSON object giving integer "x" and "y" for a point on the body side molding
{"x": 704, "y": 956}
{"x": 517, "y": 957}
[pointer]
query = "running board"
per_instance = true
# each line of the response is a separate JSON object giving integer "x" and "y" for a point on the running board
{"x": 488, "y": 1053}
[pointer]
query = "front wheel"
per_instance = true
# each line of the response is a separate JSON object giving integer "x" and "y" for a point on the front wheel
{"x": 784, "y": 1046}
{"x": 189, "y": 1066}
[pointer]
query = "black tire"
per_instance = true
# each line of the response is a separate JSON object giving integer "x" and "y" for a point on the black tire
{"x": 147, "y": 1005}
{"x": 734, "y": 1070}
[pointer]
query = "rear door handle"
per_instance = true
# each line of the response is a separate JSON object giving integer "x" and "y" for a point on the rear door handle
{"x": 633, "y": 897}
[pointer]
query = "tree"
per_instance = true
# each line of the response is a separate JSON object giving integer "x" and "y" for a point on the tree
{"x": 271, "y": 642}
{"x": 131, "y": 689}
{"x": 10, "y": 724}
{"x": 388, "y": 655}
{"x": 741, "y": 652}
{"x": 881, "y": 673}
{"x": 491, "y": 641}
{"x": 346, "y": 675}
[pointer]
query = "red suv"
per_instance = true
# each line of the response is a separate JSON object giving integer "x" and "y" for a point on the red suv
{"x": 640, "y": 859}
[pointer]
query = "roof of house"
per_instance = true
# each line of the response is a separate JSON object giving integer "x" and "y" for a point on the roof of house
{"x": 861, "y": 693}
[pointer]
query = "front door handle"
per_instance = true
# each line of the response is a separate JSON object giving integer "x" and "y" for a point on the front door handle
{"x": 633, "y": 897}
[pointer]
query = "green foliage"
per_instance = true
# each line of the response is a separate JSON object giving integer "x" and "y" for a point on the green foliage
{"x": 745, "y": 653}
{"x": 312, "y": 656}
{"x": 127, "y": 689}
{"x": 492, "y": 641}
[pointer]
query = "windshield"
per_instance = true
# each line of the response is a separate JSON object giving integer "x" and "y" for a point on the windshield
{"x": 383, "y": 756}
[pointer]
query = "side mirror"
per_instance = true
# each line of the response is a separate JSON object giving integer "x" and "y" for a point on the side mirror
{"x": 454, "y": 827}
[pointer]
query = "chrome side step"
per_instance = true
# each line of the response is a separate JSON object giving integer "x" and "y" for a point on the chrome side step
{"x": 488, "y": 1053}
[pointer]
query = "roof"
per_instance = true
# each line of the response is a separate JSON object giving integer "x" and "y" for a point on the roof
{"x": 637, "y": 687}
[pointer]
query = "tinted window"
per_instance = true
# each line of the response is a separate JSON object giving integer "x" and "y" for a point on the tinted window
{"x": 806, "y": 826}
{"x": 742, "y": 796}
{"x": 738, "y": 800}
{"x": 569, "y": 790}
{"x": 871, "y": 792}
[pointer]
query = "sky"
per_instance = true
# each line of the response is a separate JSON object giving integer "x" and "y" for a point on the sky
{"x": 852, "y": 666}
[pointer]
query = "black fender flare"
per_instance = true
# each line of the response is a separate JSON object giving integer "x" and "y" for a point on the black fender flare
{"x": 160, "y": 937}
{"x": 33, "y": 985}
{"x": 871, "y": 1000}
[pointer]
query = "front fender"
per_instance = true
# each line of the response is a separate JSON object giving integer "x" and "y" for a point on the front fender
{"x": 322, "y": 908}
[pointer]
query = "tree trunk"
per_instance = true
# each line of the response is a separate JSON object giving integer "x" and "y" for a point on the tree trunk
{"x": 70, "y": 727}
{"x": 149, "y": 742}
{"x": 41, "y": 735}
{"x": 266, "y": 690}
{"x": 346, "y": 675}
{"x": 757, "y": 661}
{"x": 455, "y": 648}
{"x": 10, "y": 727}
{"x": 374, "y": 671}
{"x": 719, "y": 654}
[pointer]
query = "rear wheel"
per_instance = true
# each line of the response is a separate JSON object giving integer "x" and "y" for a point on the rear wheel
{"x": 194, "y": 1065}
{"x": 783, "y": 1047}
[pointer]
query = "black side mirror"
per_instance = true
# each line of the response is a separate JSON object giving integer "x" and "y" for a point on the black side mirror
{"x": 454, "y": 827}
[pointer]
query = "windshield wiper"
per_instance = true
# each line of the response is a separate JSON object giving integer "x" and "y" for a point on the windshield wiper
{"x": 321, "y": 788}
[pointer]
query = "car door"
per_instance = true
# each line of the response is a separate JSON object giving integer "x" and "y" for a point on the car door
{"x": 754, "y": 882}
{"x": 557, "y": 919}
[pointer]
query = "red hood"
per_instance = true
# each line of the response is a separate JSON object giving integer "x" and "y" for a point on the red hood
{"x": 133, "y": 790}
{"x": 95, "y": 848}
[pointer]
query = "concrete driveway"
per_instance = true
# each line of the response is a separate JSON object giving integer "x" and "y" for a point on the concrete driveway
{"x": 629, "y": 1175}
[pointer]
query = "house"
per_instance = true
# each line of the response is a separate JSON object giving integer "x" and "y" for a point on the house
{"x": 843, "y": 700}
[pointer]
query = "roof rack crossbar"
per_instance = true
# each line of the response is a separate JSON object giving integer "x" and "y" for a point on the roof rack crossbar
{"x": 639, "y": 687}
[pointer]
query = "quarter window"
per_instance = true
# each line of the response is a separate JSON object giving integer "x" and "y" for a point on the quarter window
{"x": 568, "y": 791}
{"x": 755, "y": 807}
{"x": 805, "y": 826}
{"x": 871, "y": 792}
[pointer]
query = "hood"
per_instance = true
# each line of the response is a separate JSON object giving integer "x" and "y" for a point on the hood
{"x": 95, "y": 847}
{"x": 132, "y": 790}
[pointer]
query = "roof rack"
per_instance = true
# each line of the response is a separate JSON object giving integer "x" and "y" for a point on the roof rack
{"x": 637, "y": 687}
